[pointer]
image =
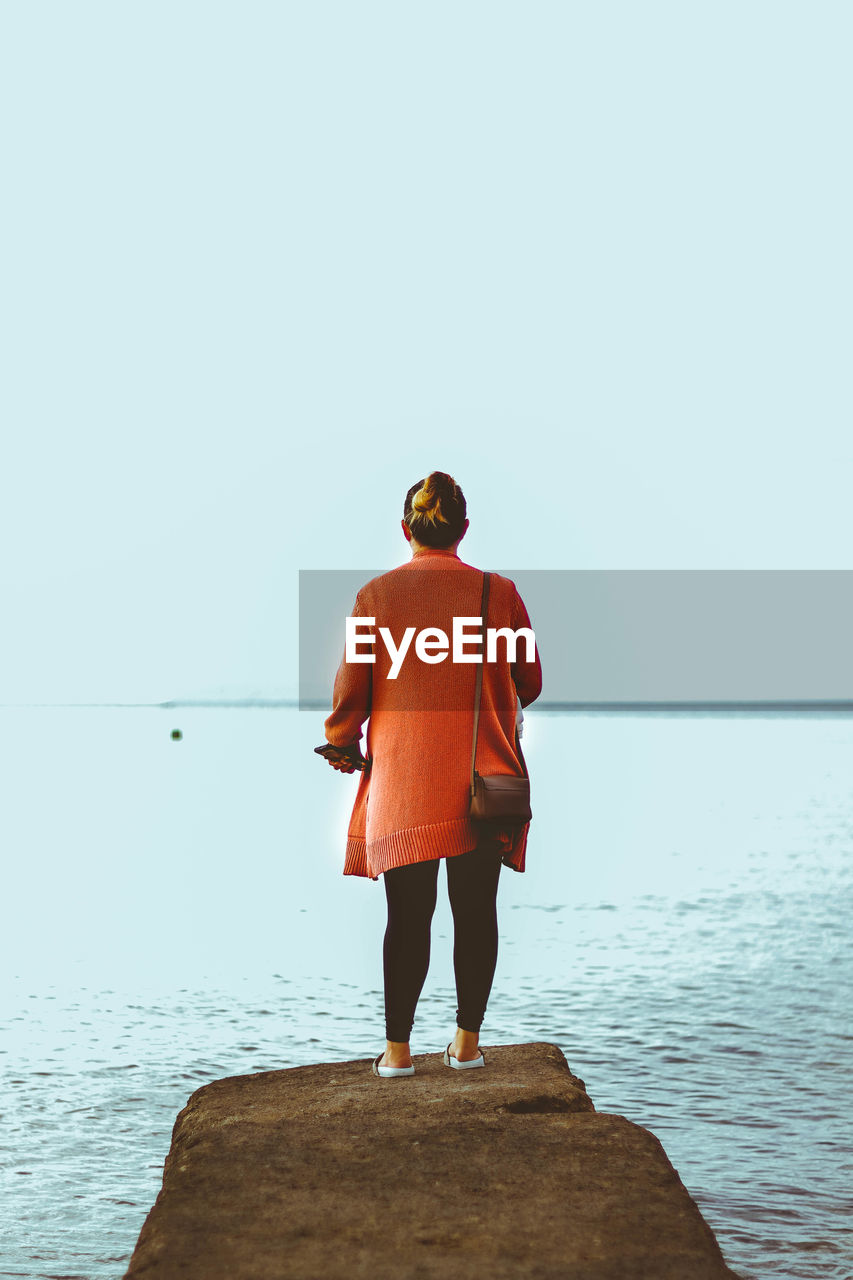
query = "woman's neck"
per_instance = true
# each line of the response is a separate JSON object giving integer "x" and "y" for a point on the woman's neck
{"x": 434, "y": 551}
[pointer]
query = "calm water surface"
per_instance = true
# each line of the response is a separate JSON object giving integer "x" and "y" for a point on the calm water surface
{"x": 175, "y": 913}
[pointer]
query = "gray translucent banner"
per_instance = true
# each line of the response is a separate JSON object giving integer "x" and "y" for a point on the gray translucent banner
{"x": 643, "y": 636}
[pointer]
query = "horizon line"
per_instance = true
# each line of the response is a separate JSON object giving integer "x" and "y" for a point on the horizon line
{"x": 620, "y": 705}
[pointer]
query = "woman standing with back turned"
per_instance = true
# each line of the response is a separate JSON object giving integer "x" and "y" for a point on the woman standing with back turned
{"x": 411, "y": 808}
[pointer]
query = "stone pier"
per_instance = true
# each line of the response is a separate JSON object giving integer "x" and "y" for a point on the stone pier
{"x": 507, "y": 1171}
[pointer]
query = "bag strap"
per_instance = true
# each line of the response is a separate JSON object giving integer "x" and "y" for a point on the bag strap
{"x": 484, "y": 607}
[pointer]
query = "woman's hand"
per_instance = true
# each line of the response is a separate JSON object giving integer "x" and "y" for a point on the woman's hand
{"x": 342, "y": 764}
{"x": 346, "y": 759}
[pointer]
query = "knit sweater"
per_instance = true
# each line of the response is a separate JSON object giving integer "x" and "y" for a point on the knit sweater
{"x": 412, "y": 804}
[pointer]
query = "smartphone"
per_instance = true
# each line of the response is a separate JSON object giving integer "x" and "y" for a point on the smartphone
{"x": 339, "y": 753}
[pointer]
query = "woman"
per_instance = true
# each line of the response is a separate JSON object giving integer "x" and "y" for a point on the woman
{"x": 411, "y": 808}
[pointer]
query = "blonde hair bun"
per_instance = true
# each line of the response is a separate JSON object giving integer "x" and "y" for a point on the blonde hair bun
{"x": 427, "y": 501}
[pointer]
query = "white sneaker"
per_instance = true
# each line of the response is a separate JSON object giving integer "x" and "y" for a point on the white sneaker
{"x": 450, "y": 1061}
{"x": 386, "y": 1072}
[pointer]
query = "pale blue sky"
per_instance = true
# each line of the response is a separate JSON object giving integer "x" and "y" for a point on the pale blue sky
{"x": 266, "y": 264}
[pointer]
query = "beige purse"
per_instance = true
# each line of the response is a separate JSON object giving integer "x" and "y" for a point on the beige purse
{"x": 501, "y": 799}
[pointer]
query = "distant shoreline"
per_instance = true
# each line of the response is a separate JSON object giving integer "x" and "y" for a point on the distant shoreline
{"x": 773, "y": 706}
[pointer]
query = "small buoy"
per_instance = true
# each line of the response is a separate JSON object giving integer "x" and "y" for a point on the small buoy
{"x": 176, "y": 735}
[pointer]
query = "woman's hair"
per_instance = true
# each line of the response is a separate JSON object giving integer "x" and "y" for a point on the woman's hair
{"x": 435, "y": 510}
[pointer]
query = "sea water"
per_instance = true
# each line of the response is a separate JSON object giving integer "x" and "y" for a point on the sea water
{"x": 174, "y": 912}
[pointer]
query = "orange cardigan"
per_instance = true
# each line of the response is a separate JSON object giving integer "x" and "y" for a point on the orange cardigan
{"x": 412, "y": 804}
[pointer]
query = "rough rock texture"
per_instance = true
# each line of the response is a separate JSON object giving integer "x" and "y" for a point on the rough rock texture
{"x": 329, "y": 1171}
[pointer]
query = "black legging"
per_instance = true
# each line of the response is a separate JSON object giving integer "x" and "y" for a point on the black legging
{"x": 472, "y": 886}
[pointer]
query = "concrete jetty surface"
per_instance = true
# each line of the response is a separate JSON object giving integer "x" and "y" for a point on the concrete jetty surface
{"x": 506, "y": 1171}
